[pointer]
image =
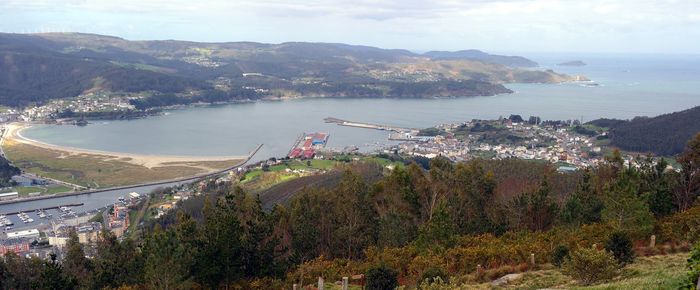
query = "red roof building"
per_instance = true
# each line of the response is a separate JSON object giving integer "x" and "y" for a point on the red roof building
{"x": 296, "y": 153}
{"x": 308, "y": 144}
{"x": 309, "y": 153}
{"x": 16, "y": 246}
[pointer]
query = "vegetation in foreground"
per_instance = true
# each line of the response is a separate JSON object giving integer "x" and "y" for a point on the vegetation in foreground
{"x": 411, "y": 224}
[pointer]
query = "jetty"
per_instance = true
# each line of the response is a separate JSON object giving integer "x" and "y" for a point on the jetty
{"x": 364, "y": 125}
{"x": 43, "y": 208}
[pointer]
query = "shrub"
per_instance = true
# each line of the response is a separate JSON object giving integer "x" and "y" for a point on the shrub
{"x": 620, "y": 245}
{"x": 590, "y": 265}
{"x": 381, "y": 278}
{"x": 434, "y": 274}
{"x": 693, "y": 268}
{"x": 559, "y": 255}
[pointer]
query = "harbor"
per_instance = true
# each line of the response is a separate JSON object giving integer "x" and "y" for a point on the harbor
{"x": 307, "y": 145}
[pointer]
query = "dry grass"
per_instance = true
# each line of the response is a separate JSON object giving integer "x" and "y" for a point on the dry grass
{"x": 98, "y": 170}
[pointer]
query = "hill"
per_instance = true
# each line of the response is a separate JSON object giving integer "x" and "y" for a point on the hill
{"x": 478, "y": 55}
{"x": 664, "y": 135}
{"x": 38, "y": 67}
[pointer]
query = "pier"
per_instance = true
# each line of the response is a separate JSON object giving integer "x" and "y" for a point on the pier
{"x": 381, "y": 127}
{"x": 44, "y": 208}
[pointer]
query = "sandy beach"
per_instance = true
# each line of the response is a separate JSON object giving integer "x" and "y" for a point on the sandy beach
{"x": 14, "y": 134}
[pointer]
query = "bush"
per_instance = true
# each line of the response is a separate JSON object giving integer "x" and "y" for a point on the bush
{"x": 432, "y": 275}
{"x": 620, "y": 245}
{"x": 559, "y": 255}
{"x": 381, "y": 278}
{"x": 590, "y": 265}
{"x": 693, "y": 268}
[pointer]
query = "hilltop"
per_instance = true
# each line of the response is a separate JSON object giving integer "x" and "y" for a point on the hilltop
{"x": 663, "y": 135}
{"x": 39, "y": 67}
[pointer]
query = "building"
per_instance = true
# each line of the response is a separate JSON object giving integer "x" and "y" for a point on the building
{"x": 28, "y": 234}
{"x": 16, "y": 246}
{"x": 309, "y": 153}
{"x": 23, "y": 180}
{"x": 9, "y": 195}
{"x": 296, "y": 153}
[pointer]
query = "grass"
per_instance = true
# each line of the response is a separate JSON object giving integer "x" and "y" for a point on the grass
{"x": 42, "y": 190}
{"x": 655, "y": 272}
{"x": 95, "y": 170}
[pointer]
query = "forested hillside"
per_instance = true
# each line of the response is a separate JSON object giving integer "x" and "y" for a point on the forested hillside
{"x": 30, "y": 73}
{"x": 38, "y": 67}
{"x": 663, "y": 135}
{"x": 412, "y": 224}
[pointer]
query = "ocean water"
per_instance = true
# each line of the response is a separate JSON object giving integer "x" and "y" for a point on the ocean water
{"x": 627, "y": 86}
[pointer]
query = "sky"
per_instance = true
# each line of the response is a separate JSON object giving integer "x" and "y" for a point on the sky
{"x": 602, "y": 26}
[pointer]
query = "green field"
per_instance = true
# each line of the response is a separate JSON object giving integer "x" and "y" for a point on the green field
{"x": 258, "y": 179}
{"x": 24, "y": 191}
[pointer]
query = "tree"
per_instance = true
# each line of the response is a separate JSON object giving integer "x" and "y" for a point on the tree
{"x": 437, "y": 232}
{"x": 116, "y": 263}
{"x": 472, "y": 203}
{"x": 75, "y": 263}
{"x": 381, "y": 278}
{"x": 620, "y": 245}
{"x": 167, "y": 261}
{"x": 689, "y": 180}
{"x": 624, "y": 208}
{"x": 584, "y": 206}
{"x": 590, "y": 265}
{"x": 535, "y": 211}
{"x": 304, "y": 216}
{"x": 53, "y": 277}
{"x": 657, "y": 185}
{"x": 219, "y": 261}
{"x": 353, "y": 216}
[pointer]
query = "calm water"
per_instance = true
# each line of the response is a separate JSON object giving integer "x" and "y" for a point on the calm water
{"x": 629, "y": 86}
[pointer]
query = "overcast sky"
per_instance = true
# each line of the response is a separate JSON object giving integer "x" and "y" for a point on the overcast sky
{"x": 671, "y": 26}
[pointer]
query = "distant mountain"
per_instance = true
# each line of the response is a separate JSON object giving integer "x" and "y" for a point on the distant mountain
{"x": 478, "y": 55}
{"x": 38, "y": 67}
{"x": 664, "y": 135}
{"x": 572, "y": 63}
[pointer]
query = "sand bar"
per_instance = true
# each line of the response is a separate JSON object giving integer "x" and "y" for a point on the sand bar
{"x": 14, "y": 133}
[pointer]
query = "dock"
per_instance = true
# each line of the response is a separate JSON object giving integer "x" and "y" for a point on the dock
{"x": 44, "y": 208}
{"x": 364, "y": 125}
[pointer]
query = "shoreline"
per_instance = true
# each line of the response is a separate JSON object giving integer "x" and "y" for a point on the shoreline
{"x": 13, "y": 133}
{"x": 238, "y": 164}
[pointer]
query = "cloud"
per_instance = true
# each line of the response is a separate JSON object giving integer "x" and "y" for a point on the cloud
{"x": 532, "y": 24}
